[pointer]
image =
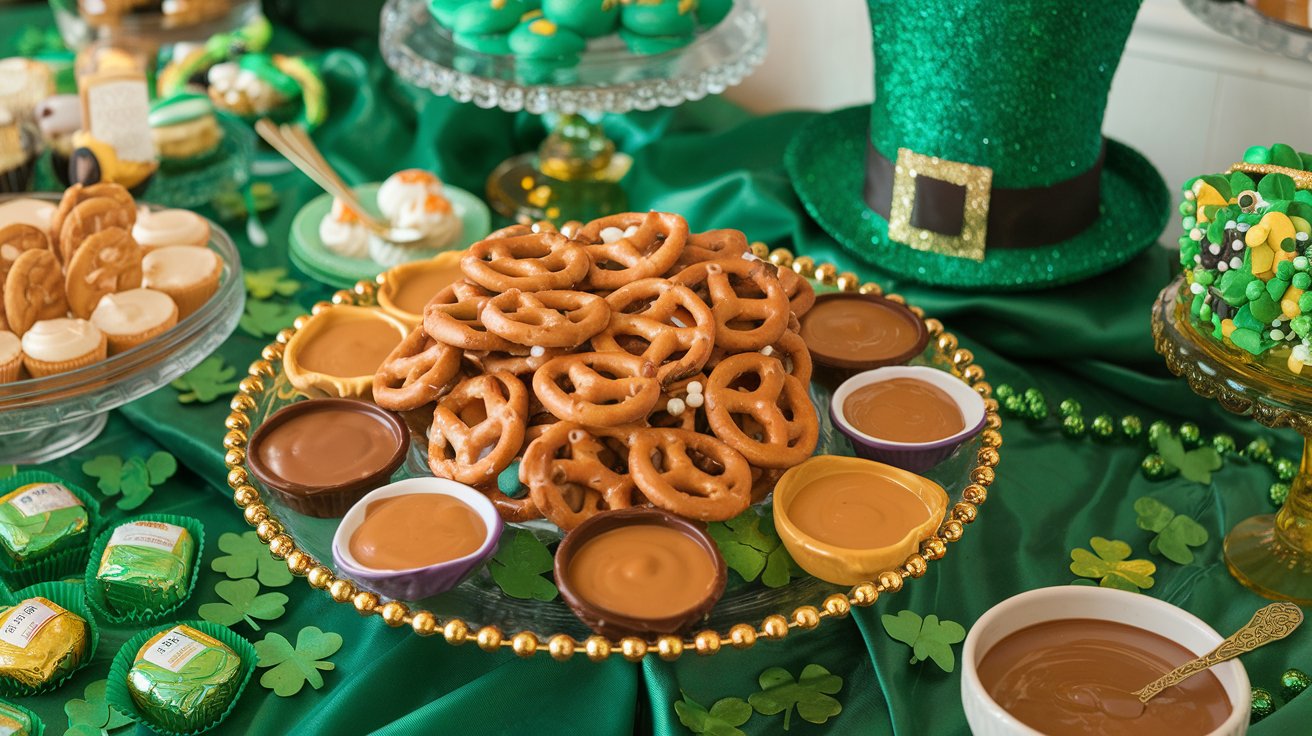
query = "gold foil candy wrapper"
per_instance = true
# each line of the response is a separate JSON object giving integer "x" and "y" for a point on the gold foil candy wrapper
{"x": 40, "y": 642}
{"x": 39, "y": 519}
{"x": 149, "y": 568}
{"x": 183, "y": 679}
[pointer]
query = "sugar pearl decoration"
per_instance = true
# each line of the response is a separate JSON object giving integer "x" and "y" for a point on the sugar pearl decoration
{"x": 1196, "y": 288}
{"x": 537, "y": 351}
{"x": 611, "y": 234}
{"x": 695, "y": 387}
{"x": 1196, "y": 234}
{"x": 1236, "y": 262}
{"x": 675, "y": 407}
{"x": 695, "y": 400}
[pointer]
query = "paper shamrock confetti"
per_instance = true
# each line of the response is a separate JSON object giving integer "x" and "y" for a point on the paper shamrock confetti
{"x": 928, "y": 637}
{"x": 244, "y": 602}
{"x": 809, "y": 694}
{"x": 91, "y": 715}
{"x": 518, "y": 565}
{"x": 1196, "y": 465}
{"x": 209, "y": 380}
{"x": 265, "y": 283}
{"x": 753, "y": 549}
{"x": 1111, "y": 565}
{"x": 246, "y": 556}
{"x": 723, "y": 718}
{"x": 134, "y": 480}
{"x": 1175, "y": 533}
{"x": 262, "y": 319}
{"x": 294, "y": 667}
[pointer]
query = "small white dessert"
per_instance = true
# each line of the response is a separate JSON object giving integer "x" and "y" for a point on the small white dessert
{"x": 414, "y": 199}
{"x": 132, "y": 317}
{"x": 188, "y": 274}
{"x": 341, "y": 232}
{"x": 56, "y": 345}
{"x": 161, "y": 228}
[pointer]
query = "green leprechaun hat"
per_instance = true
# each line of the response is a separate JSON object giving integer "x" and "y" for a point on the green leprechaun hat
{"x": 981, "y": 163}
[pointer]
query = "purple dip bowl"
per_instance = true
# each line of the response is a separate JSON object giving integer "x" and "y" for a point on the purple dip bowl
{"x": 915, "y": 457}
{"x": 419, "y": 582}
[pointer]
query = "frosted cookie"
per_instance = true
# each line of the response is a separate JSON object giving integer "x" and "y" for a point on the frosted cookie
{"x": 59, "y": 345}
{"x": 132, "y": 317}
{"x": 161, "y": 228}
{"x": 188, "y": 274}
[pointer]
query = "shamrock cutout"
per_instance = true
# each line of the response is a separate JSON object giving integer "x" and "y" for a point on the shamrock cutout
{"x": 293, "y": 667}
{"x": 262, "y": 319}
{"x": 209, "y": 380}
{"x": 517, "y": 568}
{"x": 929, "y": 638}
{"x": 809, "y": 694}
{"x": 1197, "y": 465}
{"x": 244, "y": 603}
{"x": 135, "y": 479}
{"x": 751, "y": 550}
{"x": 246, "y": 557}
{"x": 1111, "y": 567}
{"x": 91, "y": 715}
{"x": 723, "y": 718}
{"x": 1176, "y": 533}
{"x": 263, "y": 284}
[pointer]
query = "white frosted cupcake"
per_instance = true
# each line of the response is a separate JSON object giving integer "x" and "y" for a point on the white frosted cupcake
{"x": 132, "y": 317}
{"x": 341, "y": 232}
{"x": 187, "y": 273}
{"x": 162, "y": 228}
{"x": 59, "y": 345}
{"x": 11, "y": 357}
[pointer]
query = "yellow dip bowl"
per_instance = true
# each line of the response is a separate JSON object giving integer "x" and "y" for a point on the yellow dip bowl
{"x": 400, "y": 288}
{"x": 319, "y": 384}
{"x": 843, "y": 565}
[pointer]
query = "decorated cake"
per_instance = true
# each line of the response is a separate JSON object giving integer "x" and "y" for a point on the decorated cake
{"x": 1245, "y": 254}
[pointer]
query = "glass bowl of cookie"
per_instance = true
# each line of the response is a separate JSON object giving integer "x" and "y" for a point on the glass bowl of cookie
{"x": 102, "y": 300}
{"x": 626, "y": 393}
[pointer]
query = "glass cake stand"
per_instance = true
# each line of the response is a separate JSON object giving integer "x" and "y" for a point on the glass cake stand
{"x": 1237, "y": 20}
{"x": 478, "y": 611}
{"x": 575, "y": 174}
{"x": 45, "y": 418}
{"x": 153, "y": 29}
{"x": 1271, "y": 553}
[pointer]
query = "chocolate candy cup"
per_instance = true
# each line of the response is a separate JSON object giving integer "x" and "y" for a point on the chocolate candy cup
{"x": 329, "y": 500}
{"x": 613, "y": 625}
{"x": 835, "y": 367}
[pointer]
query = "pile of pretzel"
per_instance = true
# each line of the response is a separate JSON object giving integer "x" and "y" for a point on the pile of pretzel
{"x": 623, "y": 362}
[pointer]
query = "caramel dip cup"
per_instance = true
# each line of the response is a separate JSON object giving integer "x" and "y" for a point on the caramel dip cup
{"x": 833, "y": 364}
{"x": 397, "y": 285}
{"x": 617, "y": 625}
{"x": 317, "y": 382}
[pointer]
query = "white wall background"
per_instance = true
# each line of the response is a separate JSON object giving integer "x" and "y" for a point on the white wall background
{"x": 1189, "y": 98}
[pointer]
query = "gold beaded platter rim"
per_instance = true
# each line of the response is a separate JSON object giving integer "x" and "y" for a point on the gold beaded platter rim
{"x": 490, "y": 638}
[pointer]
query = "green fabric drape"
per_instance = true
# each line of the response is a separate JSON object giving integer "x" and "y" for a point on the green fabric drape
{"x": 720, "y": 167}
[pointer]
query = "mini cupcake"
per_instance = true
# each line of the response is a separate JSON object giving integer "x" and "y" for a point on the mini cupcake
{"x": 253, "y": 86}
{"x": 59, "y": 345}
{"x": 132, "y": 317}
{"x": 11, "y": 357}
{"x": 184, "y": 128}
{"x": 341, "y": 232}
{"x": 17, "y": 154}
{"x": 187, "y": 273}
{"x": 23, "y": 84}
{"x": 162, "y": 228}
{"x": 414, "y": 199}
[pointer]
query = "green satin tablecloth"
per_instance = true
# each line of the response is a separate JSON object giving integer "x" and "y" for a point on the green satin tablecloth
{"x": 720, "y": 167}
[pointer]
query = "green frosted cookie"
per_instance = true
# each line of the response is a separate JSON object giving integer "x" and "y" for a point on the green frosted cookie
{"x": 490, "y": 16}
{"x": 659, "y": 17}
{"x": 444, "y": 11}
{"x": 542, "y": 39}
{"x": 710, "y": 12}
{"x": 180, "y": 108}
{"x": 647, "y": 45}
{"x": 588, "y": 18}
{"x": 497, "y": 44}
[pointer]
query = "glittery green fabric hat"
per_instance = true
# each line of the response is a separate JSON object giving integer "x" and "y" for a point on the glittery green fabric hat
{"x": 981, "y": 163}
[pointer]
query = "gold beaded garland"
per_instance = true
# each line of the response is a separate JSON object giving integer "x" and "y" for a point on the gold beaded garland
{"x": 561, "y": 647}
{"x": 871, "y": 287}
{"x": 424, "y": 623}
{"x": 774, "y": 626}
{"x": 706, "y": 643}
{"x": 267, "y": 529}
{"x": 251, "y": 385}
{"x": 237, "y": 477}
{"x": 455, "y": 632}
{"x": 827, "y": 273}
{"x": 804, "y": 266}
{"x": 865, "y": 594}
{"x": 848, "y": 281}
{"x": 238, "y": 422}
{"x": 319, "y": 577}
{"x": 947, "y": 342}
{"x": 915, "y": 565}
{"x": 982, "y": 476}
{"x": 742, "y": 636}
{"x": 837, "y": 604}
{"x": 488, "y": 638}
{"x": 341, "y": 590}
{"x": 669, "y": 648}
{"x": 890, "y": 581}
{"x": 525, "y": 643}
{"x": 933, "y": 548}
{"x": 633, "y": 649}
{"x": 244, "y": 496}
{"x": 272, "y": 352}
{"x": 806, "y": 617}
{"x": 261, "y": 368}
{"x": 241, "y": 402}
{"x": 781, "y": 257}
{"x": 597, "y": 648}
{"x": 964, "y": 512}
{"x": 973, "y": 374}
{"x": 953, "y": 529}
{"x": 281, "y": 546}
{"x": 975, "y": 494}
{"x": 298, "y": 562}
{"x": 394, "y": 613}
{"x": 365, "y": 602}
{"x": 991, "y": 438}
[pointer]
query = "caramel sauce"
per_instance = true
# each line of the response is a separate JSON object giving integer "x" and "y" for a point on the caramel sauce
{"x": 643, "y": 570}
{"x": 421, "y": 284}
{"x": 328, "y": 448}
{"x": 857, "y": 510}
{"x": 904, "y": 410}
{"x": 416, "y": 530}
{"x": 348, "y": 349}
{"x": 859, "y": 330}
{"x": 1075, "y": 676}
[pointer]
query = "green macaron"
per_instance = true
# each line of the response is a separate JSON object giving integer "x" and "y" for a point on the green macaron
{"x": 496, "y": 44}
{"x": 648, "y": 45}
{"x": 540, "y": 38}
{"x": 588, "y": 18}
{"x": 490, "y": 16}
{"x": 658, "y": 17}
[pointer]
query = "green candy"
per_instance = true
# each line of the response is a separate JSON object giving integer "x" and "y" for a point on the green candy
{"x": 508, "y": 481}
{"x": 710, "y": 12}
{"x": 1003, "y": 390}
{"x": 1285, "y": 270}
{"x": 490, "y": 16}
{"x": 1013, "y": 404}
{"x": 1305, "y": 303}
{"x": 1189, "y": 222}
{"x": 1154, "y": 467}
{"x": 1285, "y": 469}
{"x": 1302, "y": 280}
{"x": 146, "y": 566}
{"x": 184, "y": 679}
{"x": 1157, "y": 430}
{"x": 1068, "y": 407}
{"x": 1224, "y": 444}
{"x": 644, "y": 45}
{"x": 1293, "y": 683}
{"x": 180, "y": 108}
{"x": 542, "y": 39}
{"x": 1257, "y": 155}
{"x": 1190, "y": 434}
{"x": 1204, "y": 277}
{"x": 588, "y": 18}
{"x": 1264, "y": 704}
{"x": 444, "y": 11}
{"x": 1301, "y": 325}
{"x": 1249, "y": 340}
{"x": 1275, "y": 288}
{"x": 1072, "y": 426}
{"x": 1232, "y": 285}
{"x": 1264, "y": 308}
{"x": 658, "y": 18}
{"x": 1285, "y": 155}
{"x": 40, "y": 519}
{"x": 1103, "y": 426}
{"x": 1204, "y": 310}
{"x": 1132, "y": 427}
{"x": 495, "y": 44}
{"x": 1187, "y": 208}
{"x": 1254, "y": 290}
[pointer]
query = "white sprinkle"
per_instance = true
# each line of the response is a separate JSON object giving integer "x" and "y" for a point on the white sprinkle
{"x": 675, "y": 407}
{"x": 537, "y": 351}
{"x": 630, "y": 231}
{"x": 1302, "y": 353}
{"x": 1221, "y": 266}
{"x": 695, "y": 400}
{"x": 1197, "y": 187}
{"x": 1243, "y": 227}
{"x": 1214, "y": 249}
{"x": 1230, "y": 224}
{"x": 695, "y": 387}
{"x": 1275, "y": 322}
{"x": 1189, "y": 195}
{"x": 1196, "y": 234}
{"x": 750, "y": 256}
{"x": 1198, "y": 259}
{"x": 1196, "y": 288}
{"x": 611, "y": 234}
{"x": 1237, "y": 244}
{"x": 1300, "y": 237}
{"x": 1277, "y": 335}
{"x": 767, "y": 351}
{"x": 1236, "y": 262}
{"x": 1291, "y": 336}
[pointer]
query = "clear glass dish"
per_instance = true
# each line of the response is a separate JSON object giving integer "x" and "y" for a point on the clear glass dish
{"x": 45, "y": 418}
{"x": 154, "y": 29}
{"x": 1238, "y": 20}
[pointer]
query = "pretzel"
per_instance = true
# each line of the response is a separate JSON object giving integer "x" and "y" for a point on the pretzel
{"x": 452, "y": 317}
{"x": 801, "y": 296}
{"x": 33, "y": 290}
{"x": 791, "y": 350}
{"x": 712, "y": 245}
{"x": 690, "y": 474}
{"x": 105, "y": 263}
{"x": 513, "y": 509}
{"x": 751, "y": 386}
{"x": 743, "y": 320}
{"x": 601, "y": 389}
{"x": 557, "y": 319}
{"x": 763, "y": 482}
{"x": 478, "y": 428}
{"x": 538, "y": 261}
{"x": 649, "y": 314}
{"x": 687, "y": 419}
{"x": 650, "y": 251}
{"x": 522, "y": 362}
{"x": 416, "y": 372}
{"x": 572, "y": 474}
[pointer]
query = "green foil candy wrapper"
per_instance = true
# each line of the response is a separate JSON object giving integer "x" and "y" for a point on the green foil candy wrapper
{"x": 39, "y": 519}
{"x": 146, "y": 565}
{"x": 40, "y": 642}
{"x": 14, "y": 721}
{"x": 183, "y": 679}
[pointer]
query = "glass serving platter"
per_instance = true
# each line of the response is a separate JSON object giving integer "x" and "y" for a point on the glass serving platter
{"x": 45, "y": 418}
{"x": 478, "y": 610}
